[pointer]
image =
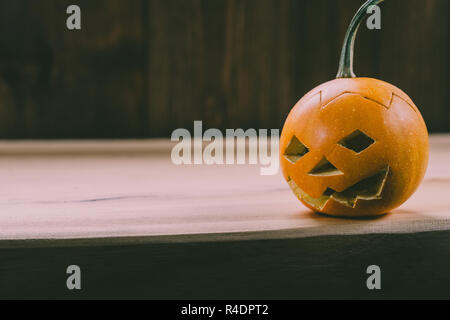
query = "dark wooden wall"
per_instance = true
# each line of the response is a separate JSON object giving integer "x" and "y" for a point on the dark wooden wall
{"x": 142, "y": 68}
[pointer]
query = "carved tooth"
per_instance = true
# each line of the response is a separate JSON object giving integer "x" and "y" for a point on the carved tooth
{"x": 367, "y": 189}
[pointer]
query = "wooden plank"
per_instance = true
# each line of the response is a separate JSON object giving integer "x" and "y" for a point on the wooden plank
{"x": 176, "y": 64}
{"x": 140, "y": 227}
{"x": 57, "y": 83}
{"x": 327, "y": 267}
{"x": 102, "y": 193}
{"x": 247, "y": 63}
{"x": 144, "y": 68}
{"x": 414, "y": 51}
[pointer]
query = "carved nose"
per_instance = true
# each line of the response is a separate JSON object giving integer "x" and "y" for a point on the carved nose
{"x": 325, "y": 168}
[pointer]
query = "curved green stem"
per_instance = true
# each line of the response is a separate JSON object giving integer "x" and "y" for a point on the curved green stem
{"x": 346, "y": 62}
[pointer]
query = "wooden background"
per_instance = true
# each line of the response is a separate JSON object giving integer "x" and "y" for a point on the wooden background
{"x": 142, "y": 68}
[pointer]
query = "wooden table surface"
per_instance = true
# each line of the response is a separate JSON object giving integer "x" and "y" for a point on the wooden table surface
{"x": 67, "y": 190}
{"x": 126, "y": 200}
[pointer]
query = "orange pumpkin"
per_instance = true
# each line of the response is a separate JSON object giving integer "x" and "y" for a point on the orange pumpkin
{"x": 354, "y": 146}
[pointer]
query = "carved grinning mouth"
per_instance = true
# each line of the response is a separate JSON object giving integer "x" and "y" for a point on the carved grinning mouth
{"x": 367, "y": 189}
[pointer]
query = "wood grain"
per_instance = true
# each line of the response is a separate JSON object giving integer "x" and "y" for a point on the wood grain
{"x": 140, "y": 227}
{"x": 56, "y": 83}
{"x": 132, "y": 189}
{"x": 142, "y": 68}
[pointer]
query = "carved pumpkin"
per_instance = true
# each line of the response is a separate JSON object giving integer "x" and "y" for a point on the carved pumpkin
{"x": 354, "y": 146}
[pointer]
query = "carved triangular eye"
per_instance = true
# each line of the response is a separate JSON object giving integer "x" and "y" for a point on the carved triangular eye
{"x": 357, "y": 141}
{"x": 325, "y": 168}
{"x": 295, "y": 150}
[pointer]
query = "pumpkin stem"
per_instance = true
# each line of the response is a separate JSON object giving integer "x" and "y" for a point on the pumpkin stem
{"x": 346, "y": 61}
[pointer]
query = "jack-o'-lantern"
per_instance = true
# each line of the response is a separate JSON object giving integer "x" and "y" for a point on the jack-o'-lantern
{"x": 354, "y": 146}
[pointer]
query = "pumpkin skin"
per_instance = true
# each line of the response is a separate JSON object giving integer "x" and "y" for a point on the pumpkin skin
{"x": 354, "y": 147}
